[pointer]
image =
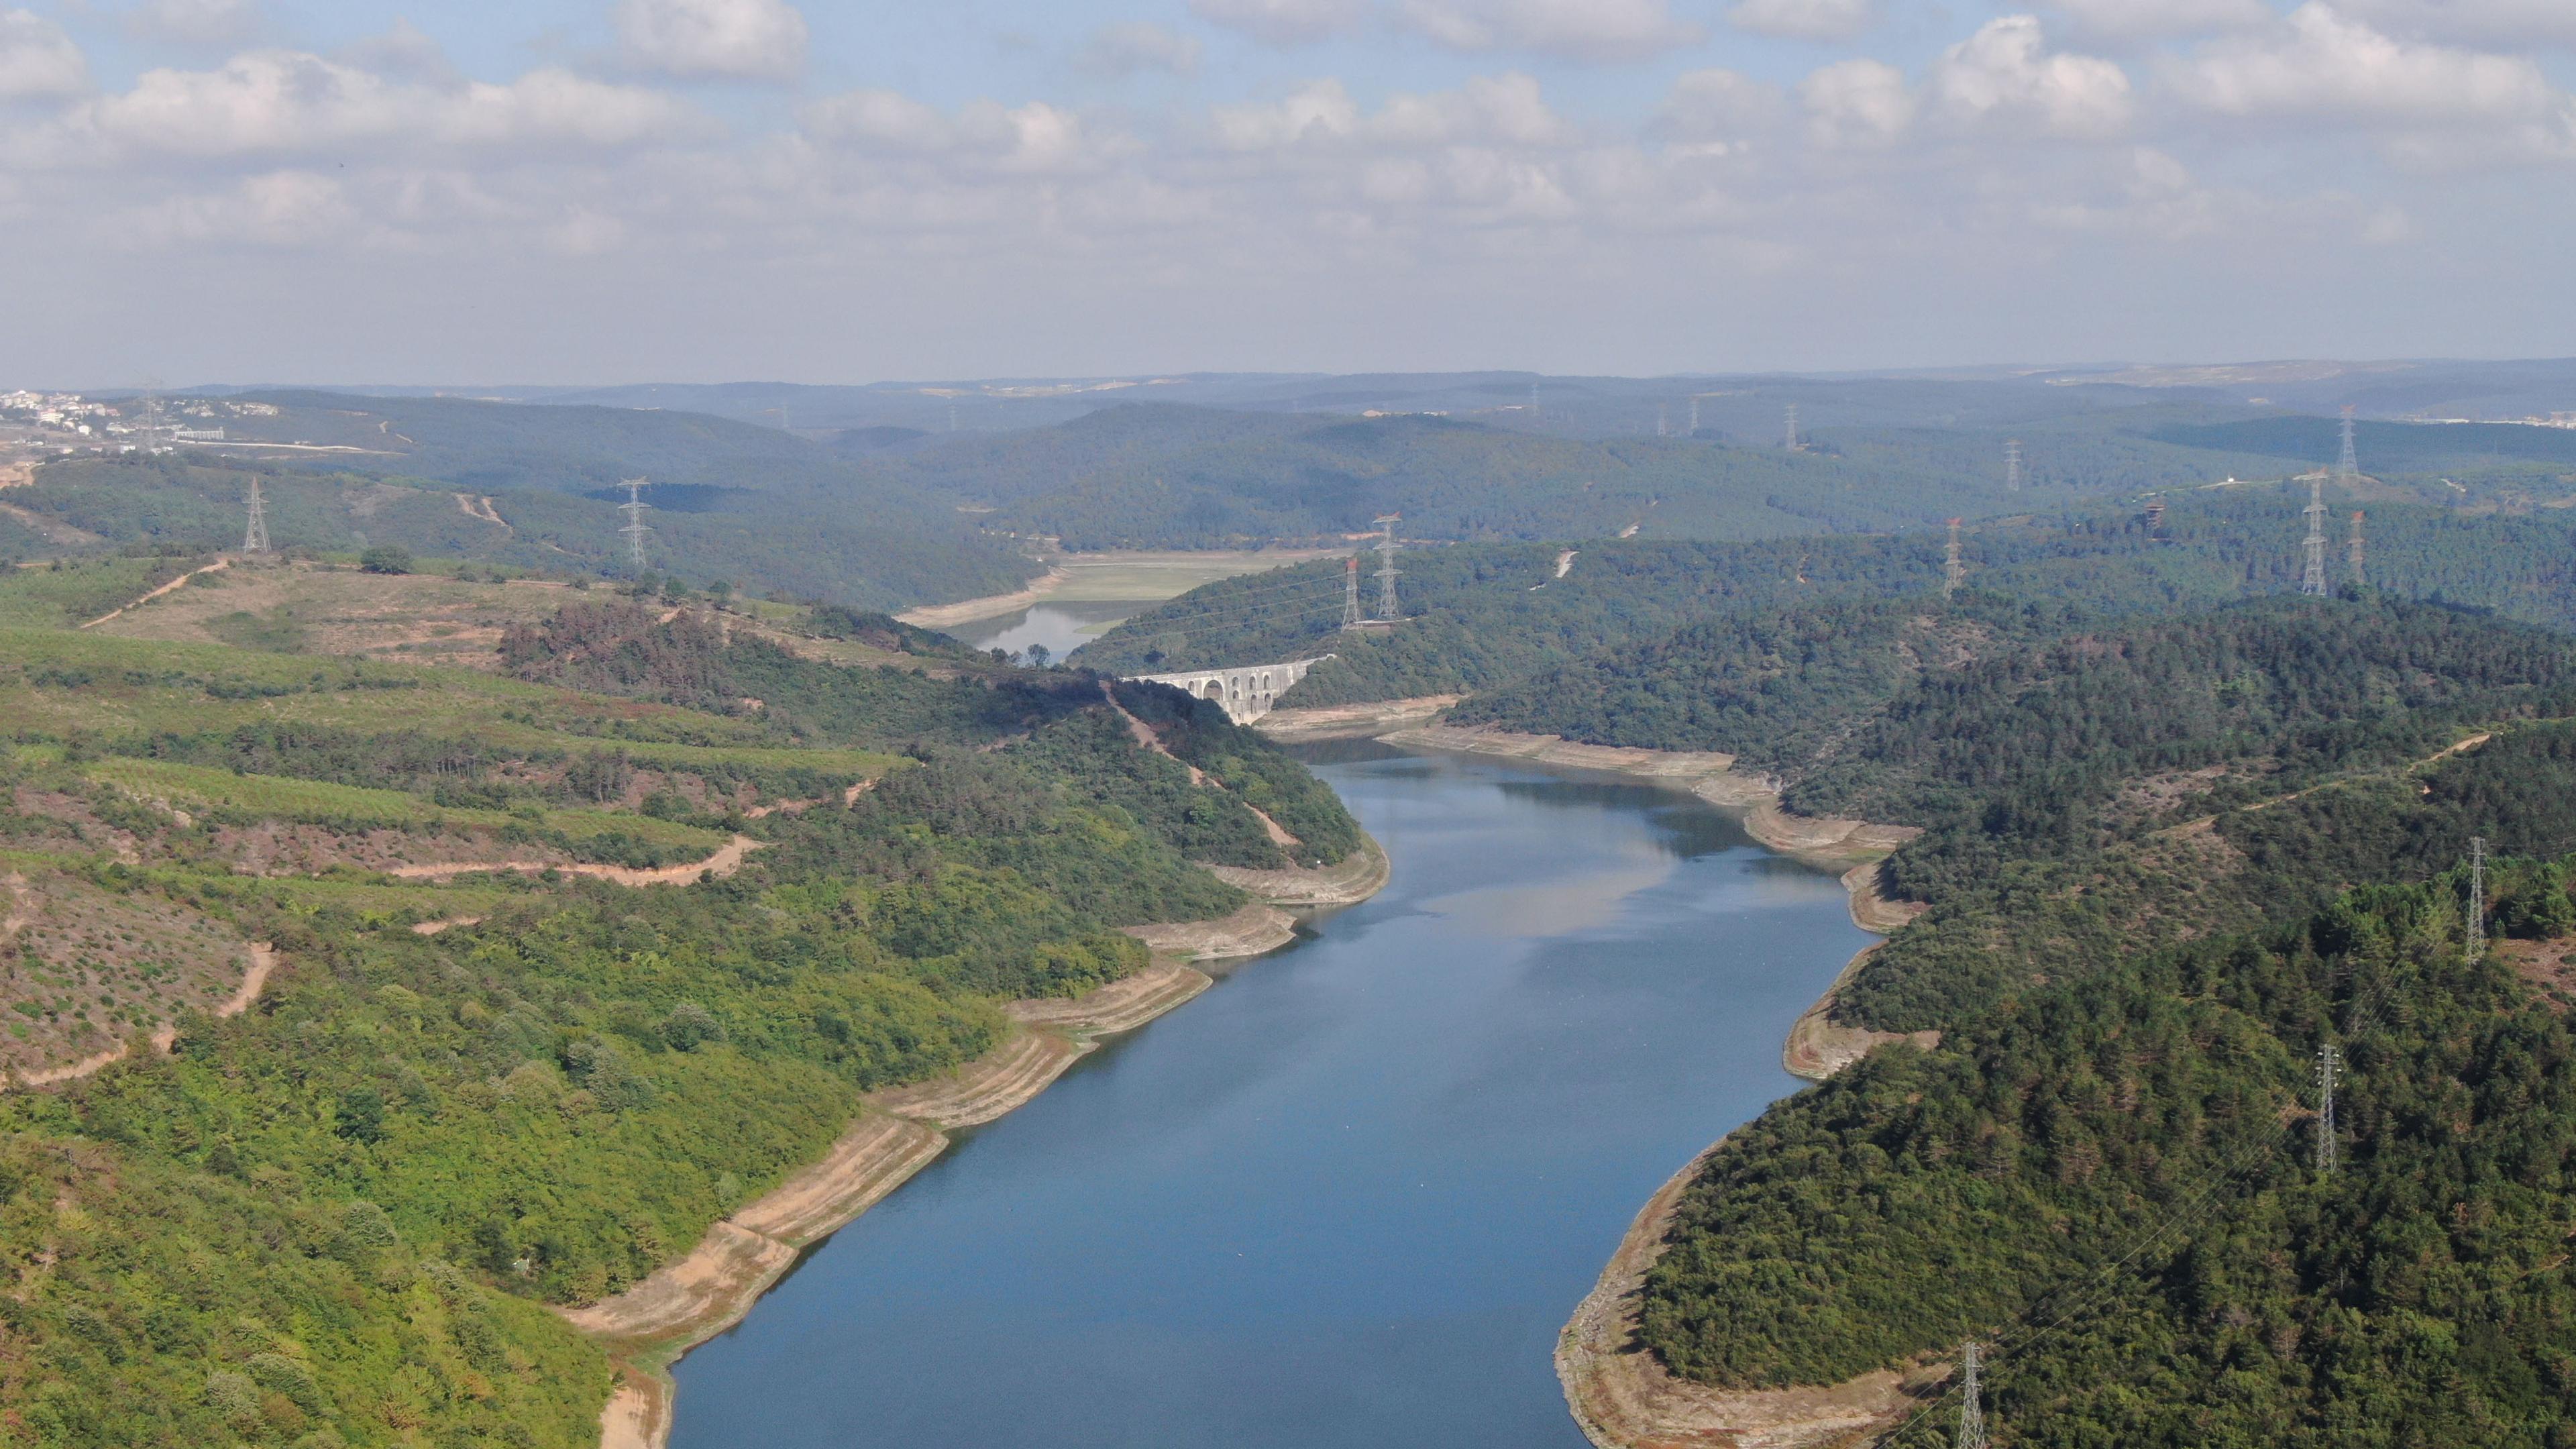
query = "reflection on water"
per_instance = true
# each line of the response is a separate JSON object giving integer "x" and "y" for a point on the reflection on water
{"x": 1061, "y": 627}
{"x": 1346, "y": 1198}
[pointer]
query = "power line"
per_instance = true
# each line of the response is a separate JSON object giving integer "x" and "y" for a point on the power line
{"x": 2363, "y": 1018}
{"x": 2476, "y": 933}
{"x": 1387, "y": 611}
{"x": 2313, "y": 580}
{"x": 634, "y": 530}
{"x": 255, "y": 534}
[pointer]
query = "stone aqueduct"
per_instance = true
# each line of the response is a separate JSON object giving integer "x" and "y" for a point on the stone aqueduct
{"x": 1247, "y": 692}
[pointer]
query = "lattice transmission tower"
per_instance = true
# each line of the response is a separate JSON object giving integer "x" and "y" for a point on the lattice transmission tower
{"x": 2012, "y": 465}
{"x": 2329, "y": 1063}
{"x": 2474, "y": 932}
{"x": 2314, "y": 580}
{"x": 255, "y": 533}
{"x": 1972, "y": 1407}
{"x": 1793, "y": 444}
{"x": 1351, "y": 592}
{"x": 1953, "y": 572}
{"x": 2360, "y": 579}
{"x": 2348, "y": 466}
{"x": 635, "y": 530}
{"x": 1386, "y": 570}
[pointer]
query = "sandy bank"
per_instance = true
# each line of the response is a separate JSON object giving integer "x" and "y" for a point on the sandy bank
{"x": 1359, "y": 875}
{"x": 941, "y": 616}
{"x": 1119, "y": 1006}
{"x": 1248, "y": 932}
{"x": 1623, "y": 1398}
{"x": 1352, "y": 721}
{"x": 986, "y": 1087}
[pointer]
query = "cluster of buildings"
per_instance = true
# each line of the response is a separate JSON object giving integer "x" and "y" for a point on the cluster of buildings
{"x": 64, "y": 421}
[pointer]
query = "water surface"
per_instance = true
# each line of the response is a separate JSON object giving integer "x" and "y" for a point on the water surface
{"x": 1347, "y": 1197}
{"x": 1061, "y": 627}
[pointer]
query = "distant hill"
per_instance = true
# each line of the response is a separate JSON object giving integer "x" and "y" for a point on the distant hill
{"x": 536, "y": 488}
{"x": 1165, "y": 476}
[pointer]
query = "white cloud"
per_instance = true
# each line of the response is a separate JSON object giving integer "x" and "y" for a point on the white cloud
{"x": 2006, "y": 74}
{"x": 1035, "y": 138}
{"x": 1824, "y": 20}
{"x": 1319, "y": 111}
{"x": 196, "y": 22}
{"x": 1585, "y": 30}
{"x": 37, "y": 60}
{"x": 723, "y": 39}
{"x": 276, "y": 101}
{"x": 402, "y": 52}
{"x": 2509, "y": 23}
{"x": 1282, "y": 22}
{"x": 1138, "y": 45}
{"x": 1857, "y": 103}
{"x": 277, "y": 209}
{"x": 1716, "y": 106}
{"x": 2319, "y": 63}
{"x": 1505, "y": 110}
{"x": 2161, "y": 19}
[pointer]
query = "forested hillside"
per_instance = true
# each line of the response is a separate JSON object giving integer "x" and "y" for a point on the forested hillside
{"x": 1164, "y": 476}
{"x": 343, "y": 1166}
{"x": 2166, "y": 863}
{"x": 2114, "y": 1184}
{"x": 1484, "y": 617}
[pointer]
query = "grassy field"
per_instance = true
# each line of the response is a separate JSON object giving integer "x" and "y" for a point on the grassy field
{"x": 45, "y": 597}
{"x": 311, "y": 608}
{"x": 99, "y": 684}
{"x": 277, "y": 797}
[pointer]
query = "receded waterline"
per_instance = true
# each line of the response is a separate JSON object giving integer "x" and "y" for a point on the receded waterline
{"x": 1348, "y": 1196}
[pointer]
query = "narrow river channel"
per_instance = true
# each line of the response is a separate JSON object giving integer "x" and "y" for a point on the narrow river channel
{"x": 1345, "y": 1199}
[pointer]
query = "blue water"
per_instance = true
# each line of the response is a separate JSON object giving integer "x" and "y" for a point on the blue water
{"x": 1062, "y": 628}
{"x": 1348, "y": 1196}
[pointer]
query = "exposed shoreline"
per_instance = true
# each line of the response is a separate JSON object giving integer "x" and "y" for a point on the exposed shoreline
{"x": 966, "y": 611}
{"x": 651, "y": 1325}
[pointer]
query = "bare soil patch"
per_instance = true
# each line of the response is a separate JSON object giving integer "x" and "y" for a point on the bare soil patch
{"x": 85, "y": 972}
{"x": 1357, "y": 877}
{"x": 724, "y": 862}
{"x": 1122, "y": 1005}
{"x": 1353, "y": 721}
{"x": 1248, "y": 932}
{"x": 987, "y": 1087}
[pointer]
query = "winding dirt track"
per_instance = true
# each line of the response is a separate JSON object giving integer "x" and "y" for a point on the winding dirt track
{"x": 724, "y": 862}
{"x": 263, "y": 960}
{"x": 179, "y": 582}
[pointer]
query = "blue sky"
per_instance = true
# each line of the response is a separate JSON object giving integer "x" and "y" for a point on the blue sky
{"x": 616, "y": 190}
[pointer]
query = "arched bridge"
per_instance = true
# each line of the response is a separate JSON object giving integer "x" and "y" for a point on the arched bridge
{"x": 1247, "y": 691}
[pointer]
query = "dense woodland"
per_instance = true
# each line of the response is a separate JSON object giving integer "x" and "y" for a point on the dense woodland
{"x": 336, "y": 1219}
{"x": 1485, "y": 618}
{"x": 2167, "y": 861}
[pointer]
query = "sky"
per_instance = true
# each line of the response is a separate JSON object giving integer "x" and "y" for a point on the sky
{"x": 607, "y": 191}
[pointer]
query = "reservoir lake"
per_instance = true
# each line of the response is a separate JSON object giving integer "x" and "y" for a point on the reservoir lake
{"x": 1346, "y": 1198}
